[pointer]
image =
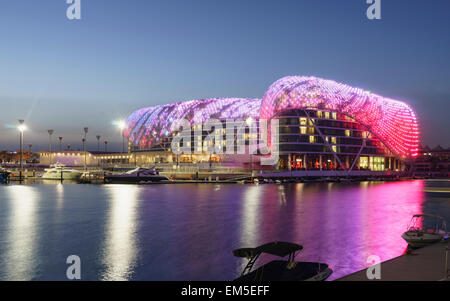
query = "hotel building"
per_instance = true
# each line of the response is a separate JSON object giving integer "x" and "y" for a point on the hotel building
{"x": 323, "y": 125}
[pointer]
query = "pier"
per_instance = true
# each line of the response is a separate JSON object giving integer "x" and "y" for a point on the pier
{"x": 425, "y": 264}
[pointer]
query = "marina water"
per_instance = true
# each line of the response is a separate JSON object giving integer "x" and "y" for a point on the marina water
{"x": 188, "y": 231}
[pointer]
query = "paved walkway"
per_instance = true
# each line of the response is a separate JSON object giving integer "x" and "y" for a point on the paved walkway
{"x": 424, "y": 264}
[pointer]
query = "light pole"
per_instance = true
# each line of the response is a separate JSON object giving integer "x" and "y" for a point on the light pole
{"x": 249, "y": 122}
{"x": 121, "y": 124}
{"x": 21, "y": 128}
{"x": 60, "y": 143}
{"x": 98, "y": 142}
{"x": 50, "y": 133}
{"x": 106, "y": 143}
{"x": 86, "y": 129}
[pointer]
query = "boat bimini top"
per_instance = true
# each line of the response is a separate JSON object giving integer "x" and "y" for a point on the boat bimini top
{"x": 278, "y": 248}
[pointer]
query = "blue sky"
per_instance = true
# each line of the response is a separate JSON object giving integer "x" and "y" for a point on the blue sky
{"x": 124, "y": 55}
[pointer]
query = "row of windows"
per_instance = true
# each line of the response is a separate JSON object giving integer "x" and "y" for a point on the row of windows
{"x": 285, "y": 148}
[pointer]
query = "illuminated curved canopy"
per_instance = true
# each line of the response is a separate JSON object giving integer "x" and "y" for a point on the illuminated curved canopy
{"x": 148, "y": 126}
{"x": 392, "y": 122}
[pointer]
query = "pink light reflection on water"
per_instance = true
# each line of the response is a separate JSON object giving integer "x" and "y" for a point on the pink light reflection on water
{"x": 341, "y": 225}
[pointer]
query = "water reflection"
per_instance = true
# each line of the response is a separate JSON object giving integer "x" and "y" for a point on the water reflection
{"x": 121, "y": 246}
{"x": 21, "y": 255}
{"x": 251, "y": 215}
{"x": 188, "y": 232}
{"x": 59, "y": 196}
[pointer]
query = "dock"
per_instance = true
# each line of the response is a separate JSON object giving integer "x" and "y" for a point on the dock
{"x": 425, "y": 264}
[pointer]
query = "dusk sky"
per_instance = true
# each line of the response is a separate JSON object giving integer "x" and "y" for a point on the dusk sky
{"x": 127, "y": 54}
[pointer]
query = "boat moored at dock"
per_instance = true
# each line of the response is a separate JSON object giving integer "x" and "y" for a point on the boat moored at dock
{"x": 425, "y": 229}
{"x": 281, "y": 270}
{"x": 4, "y": 175}
{"x": 60, "y": 172}
{"x": 138, "y": 175}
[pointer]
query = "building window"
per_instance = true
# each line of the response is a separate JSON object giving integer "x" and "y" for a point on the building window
{"x": 347, "y": 133}
{"x": 303, "y": 130}
{"x": 364, "y": 162}
{"x": 319, "y": 114}
{"x": 333, "y": 140}
{"x": 327, "y": 115}
{"x": 334, "y": 115}
{"x": 303, "y": 121}
{"x": 312, "y": 139}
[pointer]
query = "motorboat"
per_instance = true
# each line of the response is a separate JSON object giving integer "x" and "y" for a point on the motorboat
{"x": 59, "y": 171}
{"x": 425, "y": 229}
{"x": 4, "y": 175}
{"x": 280, "y": 270}
{"x": 137, "y": 175}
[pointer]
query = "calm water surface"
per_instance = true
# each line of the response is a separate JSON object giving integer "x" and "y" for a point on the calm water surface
{"x": 188, "y": 232}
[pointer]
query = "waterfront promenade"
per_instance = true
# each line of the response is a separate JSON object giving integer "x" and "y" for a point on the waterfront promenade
{"x": 424, "y": 264}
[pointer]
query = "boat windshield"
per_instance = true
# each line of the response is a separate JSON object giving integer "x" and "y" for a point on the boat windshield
{"x": 427, "y": 223}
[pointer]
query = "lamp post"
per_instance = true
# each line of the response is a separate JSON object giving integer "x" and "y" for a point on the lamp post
{"x": 50, "y": 133}
{"x": 60, "y": 143}
{"x": 98, "y": 142}
{"x": 249, "y": 122}
{"x": 121, "y": 124}
{"x": 106, "y": 143}
{"x": 21, "y": 128}
{"x": 86, "y": 129}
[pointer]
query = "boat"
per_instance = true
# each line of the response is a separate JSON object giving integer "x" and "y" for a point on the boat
{"x": 281, "y": 270}
{"x": 59, "y": 171}
{"x": 4, "y": 175}
{"x": 419, "y": 232}
{"x": 137, "y": 175}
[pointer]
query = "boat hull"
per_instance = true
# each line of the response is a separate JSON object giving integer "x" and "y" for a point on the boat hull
{"x": 4, "y": 177}
{"x": 279, "y": 270}
{"x": 135, "y": 179}
{"x": 57, "y": 176}
{"x": 425, "y": 239}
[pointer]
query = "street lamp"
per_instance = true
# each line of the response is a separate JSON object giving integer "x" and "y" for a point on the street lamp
{"x": 86, "y": 129}
{"x": 98, "y": 142}
{"x": 122, "y": 125}
{"x": 60, "y": 143}
{"x": 21, "y": 128}
{"x": 106, "y": 142}
{"x": 50, "y": 133}
{"x": 249, "y": 122}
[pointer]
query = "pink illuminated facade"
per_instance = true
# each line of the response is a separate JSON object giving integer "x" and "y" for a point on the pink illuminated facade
{"x": 323, "y": 125}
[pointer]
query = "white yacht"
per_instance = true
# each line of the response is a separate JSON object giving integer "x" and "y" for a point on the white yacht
{"x": 59, "y": 171}
{"x": 137, "y": 175}
{"x": 425, "y": 229}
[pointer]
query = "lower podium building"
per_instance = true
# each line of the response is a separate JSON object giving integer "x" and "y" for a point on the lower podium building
{"x": 322, "y": 126}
